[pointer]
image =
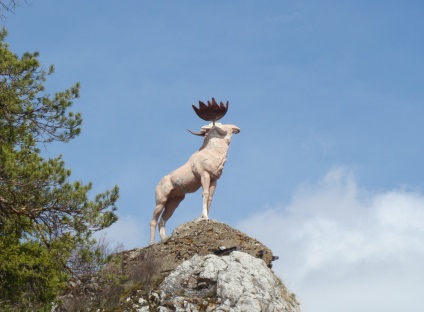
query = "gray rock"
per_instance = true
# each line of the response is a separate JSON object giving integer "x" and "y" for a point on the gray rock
{"x": 240, "y": 281}
{"x": 202, "y": 266}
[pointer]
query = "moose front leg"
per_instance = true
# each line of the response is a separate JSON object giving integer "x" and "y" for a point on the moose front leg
{"x": 206, "y": 181}
{"x": 212, "y": 189}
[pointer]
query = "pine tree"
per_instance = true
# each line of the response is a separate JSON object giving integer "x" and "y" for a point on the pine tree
{"x": 44, "y": 217}
{"x": 8, "y": 6}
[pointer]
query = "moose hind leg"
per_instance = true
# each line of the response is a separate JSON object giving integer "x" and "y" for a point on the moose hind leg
{"x": 170, "y": 207}
{"x": 163, "y": 191}
{"x": 156, "y": 213}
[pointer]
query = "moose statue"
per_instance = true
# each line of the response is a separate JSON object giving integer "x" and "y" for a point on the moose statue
{"x": 203, "y": 169}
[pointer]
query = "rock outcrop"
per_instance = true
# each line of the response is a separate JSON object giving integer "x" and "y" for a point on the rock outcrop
{"x": 202, "y": 266}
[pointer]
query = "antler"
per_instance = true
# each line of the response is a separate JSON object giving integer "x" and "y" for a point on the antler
{"x": 211, "y": 112}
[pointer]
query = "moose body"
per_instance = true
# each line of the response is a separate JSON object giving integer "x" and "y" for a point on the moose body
{"x": 203, "y": 169}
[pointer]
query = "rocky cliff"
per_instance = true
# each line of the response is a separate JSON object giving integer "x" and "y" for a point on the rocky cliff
{"x": 202, "y": 266}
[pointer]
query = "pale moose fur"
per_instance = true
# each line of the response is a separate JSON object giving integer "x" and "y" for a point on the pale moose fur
{"x": 203, "y": 169}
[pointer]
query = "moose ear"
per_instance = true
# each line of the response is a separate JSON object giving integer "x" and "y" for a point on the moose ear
{"x": 234, "y": 129}
{"x": 202, "y": 133}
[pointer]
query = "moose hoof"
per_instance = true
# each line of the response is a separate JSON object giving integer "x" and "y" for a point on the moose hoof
{"x": 201, "y": 219}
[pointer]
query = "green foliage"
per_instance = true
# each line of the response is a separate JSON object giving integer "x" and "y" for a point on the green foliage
{"x": 44, "y": 217}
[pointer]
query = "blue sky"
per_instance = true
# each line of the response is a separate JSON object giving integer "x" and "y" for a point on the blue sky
{"x": 327, "y": 169}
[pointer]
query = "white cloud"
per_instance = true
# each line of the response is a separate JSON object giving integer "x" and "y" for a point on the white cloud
{"x": 343, "y": 248}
